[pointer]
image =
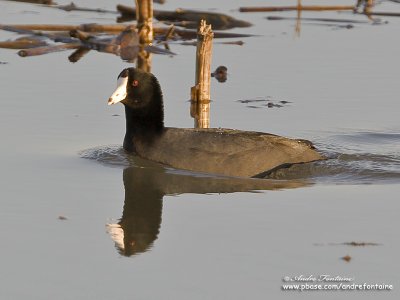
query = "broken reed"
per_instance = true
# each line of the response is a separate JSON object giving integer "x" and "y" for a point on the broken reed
{"x": 200, "y": 93}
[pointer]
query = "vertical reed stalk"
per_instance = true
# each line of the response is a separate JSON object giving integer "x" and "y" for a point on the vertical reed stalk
{"x": 298, "y": 21}
{"x": 144, "y": 17}
{"x": 200, "y": 108}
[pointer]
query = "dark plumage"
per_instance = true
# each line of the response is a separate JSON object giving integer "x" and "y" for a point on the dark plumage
{"x": 220, "y": 151}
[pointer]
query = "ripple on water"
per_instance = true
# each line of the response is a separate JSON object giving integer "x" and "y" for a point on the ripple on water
{"x": 116, "y": 156}
{"x": 356, "y": 158}
{"x": 111, "y": 155}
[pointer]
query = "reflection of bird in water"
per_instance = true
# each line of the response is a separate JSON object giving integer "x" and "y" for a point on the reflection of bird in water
{"x": 145, "y": 187}
{"x": 141, "y": 217}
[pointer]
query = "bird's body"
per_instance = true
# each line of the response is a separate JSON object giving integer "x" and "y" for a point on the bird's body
{"x": 219, "y": 151}
{"x": 224, "y": 151}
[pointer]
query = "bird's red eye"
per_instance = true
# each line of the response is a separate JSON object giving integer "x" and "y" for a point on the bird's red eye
{"x": 135, "y": 83}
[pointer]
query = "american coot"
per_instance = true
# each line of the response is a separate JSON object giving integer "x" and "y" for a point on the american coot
{"x": 219, "y": 151}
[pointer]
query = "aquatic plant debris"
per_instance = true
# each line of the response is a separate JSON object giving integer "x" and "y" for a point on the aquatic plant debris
{"x": 346, "y": 258}
{"x": 331, "y": 20}
{"x": 296, "y": 7}
{"x": 45, "y": 2}
{"x": 367, "y": 9}
{"x": 267, "y": 102}
{"x": 125, "y": 44}
{"x": 220, "y": 74}
{"x": 187, "y": 18}
{"x": 353, "y": 244}
{"x": 362, "y": 244}
{"x": 121, "y": 39}
{"x": 24, "y": 43}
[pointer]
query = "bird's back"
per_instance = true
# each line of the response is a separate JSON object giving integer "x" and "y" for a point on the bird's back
{"x": 225, "y": 151}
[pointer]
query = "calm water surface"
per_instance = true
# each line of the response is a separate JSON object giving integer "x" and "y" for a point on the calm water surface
{"x": 136, "y": 230}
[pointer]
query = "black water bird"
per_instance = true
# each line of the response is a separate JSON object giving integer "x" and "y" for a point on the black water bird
{"x": 218, "y": 151}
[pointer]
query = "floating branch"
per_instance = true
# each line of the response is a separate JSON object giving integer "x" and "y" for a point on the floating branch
{"x": 278, "y": 18}
{"x": 23, "y": 43}
{"x": 78, "y": 54}
{"x": 47, "y": 49}
{"x": 73, "y": 7}
{"x": 360, "y": 244}
{"x": 55, "y": 27}
{"x": 194, "y": 43}
{"x": 47, "y": 2}
{"x": 188, "y": 34}
{"x": 185, "y": 34}
{"x": 188, "y": 18}
{"x": 296, "y": 7}
{"x": 54, "y": 37}
{"x": 83, "y": 36}
{"x": 383, "y": 14}
{"x": 126, "y": 45}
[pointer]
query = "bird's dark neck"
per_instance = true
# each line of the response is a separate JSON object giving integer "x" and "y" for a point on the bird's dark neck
{"x": 141, "y": 127}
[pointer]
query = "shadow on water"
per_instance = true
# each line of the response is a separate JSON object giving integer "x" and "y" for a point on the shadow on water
{"x": 146, "y": 183}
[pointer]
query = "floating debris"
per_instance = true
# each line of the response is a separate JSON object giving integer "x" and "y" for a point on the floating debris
{"x": 264, "y": 102}
{"x": 194, "y": 43}
{"x": 125, "y": 45}
{"x": 354, "y": 244}
{"x": 383, "y": 14}
{"x": 62, "y": 218}
{"x": 73, "y": 7}
{"x": 78, "y": 54}
{"x": 3, "y": 62}
{"x": 362, "y": 244}
{"x": 121, "y": 40}
{"x": 47, "y": 49}
{"x": 346, "y": 258}
{"x": 334, "y": 26}
{"x": 186, "y": 18}
{"x": 220, "y": 73}
{"x": 23, "y": 43}
{"x": 239, "y": 43}
{"x": 184, "y": 34}
{"x": 46, "y": 2}
{"x": 296, "y": 7}
{"x": 278, "y": 18}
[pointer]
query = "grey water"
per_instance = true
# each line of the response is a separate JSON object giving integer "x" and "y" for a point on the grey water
{"x": 81, "y": 219}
